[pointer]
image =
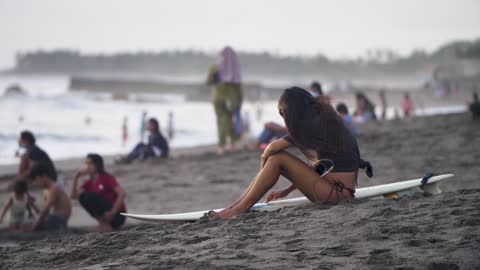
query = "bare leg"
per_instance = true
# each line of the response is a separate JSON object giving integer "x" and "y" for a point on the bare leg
{"x": 244, "y": 193}
{"x": 300, "y": 174}
{"x": 103, "y": 225}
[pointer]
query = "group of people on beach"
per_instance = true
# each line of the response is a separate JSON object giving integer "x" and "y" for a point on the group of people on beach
{"x": 96, "y": 190}
{"x": 325, "y": 135}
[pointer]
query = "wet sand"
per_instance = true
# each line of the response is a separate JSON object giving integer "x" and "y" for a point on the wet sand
{"x": 420, "y": 232}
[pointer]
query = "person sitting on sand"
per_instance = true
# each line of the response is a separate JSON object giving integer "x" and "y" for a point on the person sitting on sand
{"x": 317, "y": 130}
{"x": 54, "y": 198}
{"x": 365, "y": 109}
{"x": 342, "y": 109}
{"x": 270, "y": 131}
{"x": 157, "y": 145}
{"x": 474, "y": 107}
{"x": 18, "y": 204}
{"x": 101, "y": 195}
{"x": 30, "y": 155}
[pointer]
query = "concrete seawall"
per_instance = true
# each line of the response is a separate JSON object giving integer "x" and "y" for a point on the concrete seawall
{"x": 123, "y": 88}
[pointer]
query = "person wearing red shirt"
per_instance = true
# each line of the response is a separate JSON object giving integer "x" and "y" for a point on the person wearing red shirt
{"x": 101, "y": 195}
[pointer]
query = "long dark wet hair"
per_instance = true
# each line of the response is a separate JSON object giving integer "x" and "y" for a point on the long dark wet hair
{"x": 97, "y": 161}
{"x": 310, "y": 122}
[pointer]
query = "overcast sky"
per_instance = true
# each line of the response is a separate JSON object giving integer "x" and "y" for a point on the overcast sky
{"x": 336, "y": 28}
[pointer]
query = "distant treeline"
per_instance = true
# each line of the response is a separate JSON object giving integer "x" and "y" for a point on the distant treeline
{"x": 375, "y": 62}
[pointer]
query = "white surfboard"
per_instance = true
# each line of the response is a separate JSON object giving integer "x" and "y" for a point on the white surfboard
{"x": 392, "y": 190}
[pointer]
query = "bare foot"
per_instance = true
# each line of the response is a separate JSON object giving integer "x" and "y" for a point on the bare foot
{"x": 220, "y": 151}
{"x": 226, "y": 213}
{"x": 230, "y": 148}
{"x": 102, "y": 227}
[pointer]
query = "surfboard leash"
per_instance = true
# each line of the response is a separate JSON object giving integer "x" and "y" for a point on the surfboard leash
{"x": 425, "y": 179}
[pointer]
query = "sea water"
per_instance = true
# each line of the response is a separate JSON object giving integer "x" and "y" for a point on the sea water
{"x": 72, "y": 124}
{"x": 58, "y": 118}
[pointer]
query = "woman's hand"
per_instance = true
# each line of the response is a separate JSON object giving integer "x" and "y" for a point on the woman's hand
{"x": 277, "y": 194}
{"x": 81, "y": 173}
{"x": 273, "y": 148}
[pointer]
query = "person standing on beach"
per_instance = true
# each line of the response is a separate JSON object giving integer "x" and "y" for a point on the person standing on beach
{"x": 474, "y": 107}
{"x": 318, "y": 131}
{"x": 383, "y": 104}
{"x": 170, "y": 127}
{"x": 143, "y": 122}
{"x": 407, "y": 106}
{"x": 101, "y": 195}
{"x": 124, "y": 131}
{"x": 56, "y": 207}
{"x": 227, "y": 97}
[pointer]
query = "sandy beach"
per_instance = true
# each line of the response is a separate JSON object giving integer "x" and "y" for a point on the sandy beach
{"x": 419, "y": 232}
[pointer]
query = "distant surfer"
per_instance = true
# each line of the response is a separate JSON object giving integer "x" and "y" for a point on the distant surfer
{"x": 318, "y": 131}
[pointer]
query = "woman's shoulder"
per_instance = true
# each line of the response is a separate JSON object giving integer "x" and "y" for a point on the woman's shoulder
{"x": 108, "y": 177}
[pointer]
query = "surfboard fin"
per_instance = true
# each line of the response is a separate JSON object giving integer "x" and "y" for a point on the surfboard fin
{"x": 391, "y": 196}
{"x": 431, "y": 188}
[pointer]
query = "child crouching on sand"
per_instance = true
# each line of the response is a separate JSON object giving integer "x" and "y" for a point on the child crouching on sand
{"x": 18, "y": 204}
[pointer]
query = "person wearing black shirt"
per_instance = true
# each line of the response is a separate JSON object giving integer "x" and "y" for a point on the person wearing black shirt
{"x": 31, "y": 156}
{"x": 157, "y": 145}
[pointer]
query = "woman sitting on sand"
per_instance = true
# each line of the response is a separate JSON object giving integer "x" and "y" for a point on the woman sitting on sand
{"x": 318, "y": 131}
{"x": 101, "y": 195}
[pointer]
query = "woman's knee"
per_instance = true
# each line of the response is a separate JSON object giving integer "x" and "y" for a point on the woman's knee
{"x": 278, "y": 158}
